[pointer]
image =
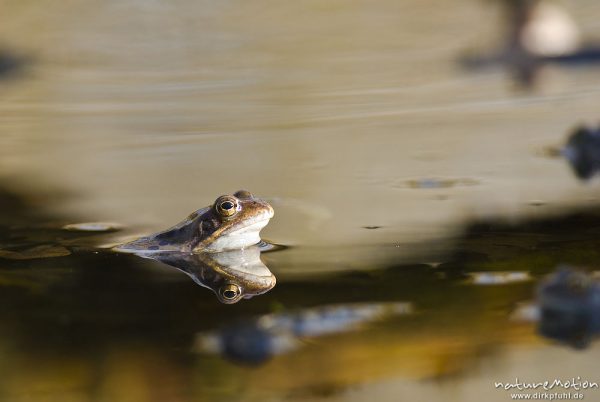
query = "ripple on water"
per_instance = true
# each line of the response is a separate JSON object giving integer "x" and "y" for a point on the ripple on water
{"x": 436, "y": 183}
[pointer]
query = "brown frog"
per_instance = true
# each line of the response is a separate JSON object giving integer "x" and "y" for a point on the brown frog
{"x": 233, "y": 222}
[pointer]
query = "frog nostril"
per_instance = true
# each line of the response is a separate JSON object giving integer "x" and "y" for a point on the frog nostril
{"x": 243, "y": 194}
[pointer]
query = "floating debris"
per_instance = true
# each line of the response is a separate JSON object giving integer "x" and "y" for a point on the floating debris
{"x": 526, "y": 312}
{"x": 537, "y": 203}
{"x": 44, "y": 251}
{"x": 93, "y": 227}
{"x": 498, "y": 277}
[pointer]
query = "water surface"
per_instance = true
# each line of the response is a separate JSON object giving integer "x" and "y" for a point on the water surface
{"x": 394, "y": 174}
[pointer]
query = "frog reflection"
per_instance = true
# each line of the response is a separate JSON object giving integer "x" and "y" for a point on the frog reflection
{"x": 569, "y": 307}
{"x": 254, "y": 341}
{"x": 583, "y": 152}
{"x": 232, "y": 275}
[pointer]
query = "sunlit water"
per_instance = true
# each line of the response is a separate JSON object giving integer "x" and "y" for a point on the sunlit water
{"x": 357, "y": 123}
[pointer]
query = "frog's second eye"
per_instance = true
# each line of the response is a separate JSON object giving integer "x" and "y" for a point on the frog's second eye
{"x": 226, "y": 206}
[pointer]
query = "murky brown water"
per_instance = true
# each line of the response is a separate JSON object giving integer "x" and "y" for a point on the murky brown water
{"x": 376, "y": 149}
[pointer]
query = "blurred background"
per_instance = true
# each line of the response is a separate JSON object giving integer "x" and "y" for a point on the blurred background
{"x": 398, "y": 171}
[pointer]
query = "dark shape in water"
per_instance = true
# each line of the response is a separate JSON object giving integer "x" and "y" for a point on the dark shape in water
{"x": 231, "y": 275}
{"x": 583, "y": 152}
{"x": 10, "y": 64}
{"x": 256, "y": 341}
{"x": 569, "y": 302}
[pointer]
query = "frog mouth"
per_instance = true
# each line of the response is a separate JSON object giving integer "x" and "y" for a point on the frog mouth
{"x": 240, "y": 236}
{"x": 251, "y": 226}
{"x": 248, "y": 230}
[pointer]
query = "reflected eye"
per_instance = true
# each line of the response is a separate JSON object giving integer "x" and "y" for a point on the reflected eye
{"x": 230, "y": 293}
{"x": 226, "y": 206}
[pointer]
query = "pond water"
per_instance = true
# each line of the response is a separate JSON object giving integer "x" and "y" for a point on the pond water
{"x": 416, "y": 201}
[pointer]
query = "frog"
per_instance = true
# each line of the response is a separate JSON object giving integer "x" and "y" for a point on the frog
{"x": 232, "y": 222}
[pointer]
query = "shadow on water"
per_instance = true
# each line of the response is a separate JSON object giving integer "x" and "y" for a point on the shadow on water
{"x": 566, "y": 299}
{"x": 254, "y": 341}
{"x": 500, "y": 262}
{"x": 104, "y": 312}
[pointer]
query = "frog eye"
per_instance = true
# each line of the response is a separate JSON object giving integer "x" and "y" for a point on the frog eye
{"x": 227, "y": 206}
{"x": 230, "y": 293}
